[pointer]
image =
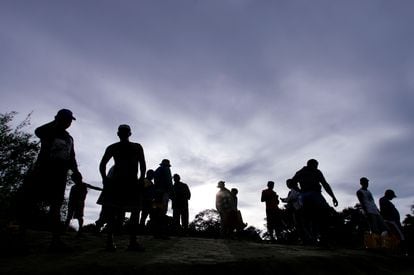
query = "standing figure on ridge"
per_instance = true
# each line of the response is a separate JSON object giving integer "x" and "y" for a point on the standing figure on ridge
{"x": 122, "y": 191}
{"x": 240, "y": 224}
{"x": 163, "y": 191}
{"x": 273, "y": 218}
{"x": 46, "y": 182}
{"x": 226, "y": 207}
{"x": 76, "y": 204}
{"x": 371, "y": 212}
{"x": 294, "y": 207}
{"x": 147, "y": 197}
{"x": 181, "y": 196}
{"x": 315, "y": 208}
{"x": 390, "y": 213}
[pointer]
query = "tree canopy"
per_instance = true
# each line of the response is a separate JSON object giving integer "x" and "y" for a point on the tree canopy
{"x": 18, "y": 151}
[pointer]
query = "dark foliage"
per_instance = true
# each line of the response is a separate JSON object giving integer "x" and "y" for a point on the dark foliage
{"x": 17, "y": 153}
{"x": 206, "y": 224}
{"x": 408, "y": 227}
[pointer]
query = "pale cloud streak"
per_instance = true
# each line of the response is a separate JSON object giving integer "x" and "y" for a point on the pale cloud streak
{"x": 239, "y": 91}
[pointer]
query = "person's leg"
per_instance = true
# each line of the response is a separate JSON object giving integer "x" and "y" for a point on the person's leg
{"x": 80, "y": 221}
{"x": 270, "y": 224}
{"x": 103, "y": 218}
{"x": 133, "y": 228}
{"x": 144, "y": 216}
{"x": 133, "y": 231}
{"x": 176, "y": 217}
{"x": 56, "y": 226}
{"x": 185, "y": 218}
{"x": 69, "y": 217}
{"x": 56, "y": 185}
{"x": 114, "y": 216}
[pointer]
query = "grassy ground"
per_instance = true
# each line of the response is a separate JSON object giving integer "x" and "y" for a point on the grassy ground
{"x": 184, "y": 255}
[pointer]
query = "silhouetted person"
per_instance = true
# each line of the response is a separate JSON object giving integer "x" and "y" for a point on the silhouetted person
{"x": 104, "y": 213}
{"x": 316, "y": 209}
{"x": 163, "y": 183}
{"x": 122, "y": 191}
{"x": 240, "y": 224}
{"x": 76, "y": 204}
{"x": 226, "y": 207}
{"x": 163, "y": 191}
{"x": 294, "y": 206}
{"x": 181, "y": 196}
{"x": 371, "y": 212}
{"x": 390, "y": 213}
{"x": 47, "y": 180}
{"x": 148, "y": 196}
{"x": 273, "y": 218}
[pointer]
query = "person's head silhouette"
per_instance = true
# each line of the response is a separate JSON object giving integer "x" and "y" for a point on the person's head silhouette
{"x": 64, "y": 118}
{"x": 176, "y": 178}
{"x": 312, "y": 163}
{"x": 165, "y": 163}
{"x": 270, "y": 184}
{"x": 221, "y": 184}
{"x": 150, "y": 174}
{"x": 364, "y": 182}
{"x": 389, "y": 194}
{"x": 124, "y": 132}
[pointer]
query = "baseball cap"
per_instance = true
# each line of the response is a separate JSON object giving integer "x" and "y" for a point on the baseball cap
{"x": 65, "y": 113}
{"x": 390, "y": 193}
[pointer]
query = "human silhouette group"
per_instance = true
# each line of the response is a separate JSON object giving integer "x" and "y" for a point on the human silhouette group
{"x": 129, "y": 187}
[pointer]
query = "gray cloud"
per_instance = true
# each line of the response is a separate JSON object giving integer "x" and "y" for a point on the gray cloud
{"x": 235, "y": 90}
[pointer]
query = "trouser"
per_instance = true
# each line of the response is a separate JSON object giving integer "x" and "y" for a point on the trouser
{"x": 47, "y": 186}
{"x": 181, "y": 213}
{"x": 159, "y": 222}
{"x": 376, "y": 223}
{"x": 274, "y": 222}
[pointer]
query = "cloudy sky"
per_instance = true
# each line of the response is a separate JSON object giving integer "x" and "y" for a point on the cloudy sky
{"x": 238, "y": 90}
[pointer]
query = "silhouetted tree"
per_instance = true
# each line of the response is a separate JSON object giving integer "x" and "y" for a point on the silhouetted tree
{"x": 206, "y": 224}
{"x": 251, "y": 233}
{"x": 17, "y": 153}
{"x": 408, "y": 229}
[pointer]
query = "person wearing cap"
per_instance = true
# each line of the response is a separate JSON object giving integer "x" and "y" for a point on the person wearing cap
{"x": 122, "y": 190}
{"x": 390, "y": 213}
{"x": 366, "y": 199}
{"x": 226, "y": 206}
{"x": 163, "y": 184}
{"x": 163, "y": 192}
{"x": 46, "y": 182}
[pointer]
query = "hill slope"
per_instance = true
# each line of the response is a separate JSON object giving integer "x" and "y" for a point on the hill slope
{"x": 196, "y": 256}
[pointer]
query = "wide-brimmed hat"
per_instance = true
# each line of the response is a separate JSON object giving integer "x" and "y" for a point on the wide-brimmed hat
{"x": 165, "y": 162}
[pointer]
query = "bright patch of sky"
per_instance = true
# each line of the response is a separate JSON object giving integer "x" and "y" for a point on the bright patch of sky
{"x": 241, "y": 91}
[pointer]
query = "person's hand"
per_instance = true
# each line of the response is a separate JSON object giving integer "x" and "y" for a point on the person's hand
{"x": 335, "y": 202}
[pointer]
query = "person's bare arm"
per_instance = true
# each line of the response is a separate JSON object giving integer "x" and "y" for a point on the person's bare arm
{"x": 328, "y": 190}
{"x": 102, "y": 166}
